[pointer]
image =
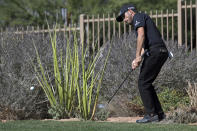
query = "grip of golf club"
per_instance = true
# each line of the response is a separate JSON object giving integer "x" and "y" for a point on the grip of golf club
{"x": 145, "y": 53}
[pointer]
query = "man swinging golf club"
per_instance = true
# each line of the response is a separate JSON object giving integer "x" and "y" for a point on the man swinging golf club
{"x": 149, "y": 38}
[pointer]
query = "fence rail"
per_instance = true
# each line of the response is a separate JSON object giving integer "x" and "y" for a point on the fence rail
{"x": 41, "y": 31}
{"x": 180, "y": 25}
{"x": 47, "y": 30}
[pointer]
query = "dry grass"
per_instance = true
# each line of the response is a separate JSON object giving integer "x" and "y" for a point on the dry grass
{"x": 192, "y": 92}
{"x": 183, "y": 115}
{"x": 187, "y": 114}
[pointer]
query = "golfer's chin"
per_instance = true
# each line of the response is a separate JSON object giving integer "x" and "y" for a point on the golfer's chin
{"x": 128, "y": 22}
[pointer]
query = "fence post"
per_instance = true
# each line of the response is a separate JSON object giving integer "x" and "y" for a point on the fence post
{"x": 16, "y": 33}
{"x": 109, "y": 29}
{"x": 103, "y": 29}
{"x": 1, "y": 36}
{"x": 191, "y": 26}
{"x": 87, "y": 31}
{"x": 172, "y": 24}
{"x": 82, "y": 28}
{"x": 43, "y": 32}
{"x": 162, "y": 31}
{"x": 196, "y": 27}
{"x": 167, "y": 25}
{"x": 22, "y": 33}
{"x": 186, "y": 25}
{"x": 65, "y": 38}
{"x": 179, "y": 7}
{"x": 93, "y": 33}
{"x": 98, "y": 31}
{"x": 114, "y": 25}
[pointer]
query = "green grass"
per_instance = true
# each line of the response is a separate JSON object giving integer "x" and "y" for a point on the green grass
{"x": 35, "y": 125}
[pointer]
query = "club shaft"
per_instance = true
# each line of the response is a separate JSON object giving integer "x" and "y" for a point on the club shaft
{"x": 145, "y": 53}
{"x": 120, "y": 86}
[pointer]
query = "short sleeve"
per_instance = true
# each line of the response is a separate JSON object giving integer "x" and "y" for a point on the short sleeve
{"x": 139, "y": 21}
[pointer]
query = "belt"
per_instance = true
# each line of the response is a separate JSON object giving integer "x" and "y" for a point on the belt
{"x": 156, "y": 46}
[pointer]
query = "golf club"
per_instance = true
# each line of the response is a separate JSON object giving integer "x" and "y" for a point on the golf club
{"x": 127, "y": 76}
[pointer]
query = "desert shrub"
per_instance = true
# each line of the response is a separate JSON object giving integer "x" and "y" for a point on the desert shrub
{"x": 17, "y": 57}
{"x": 17, "y": 75}
{"x": 177, "y": 71}
{"x": 183, "y": 115}
{"x": 172, "y": 99}
{"x": 135, "y": 109}
{"x": 186, "y": 114}
{"x": 192, "y": 93}
{"x": 174, "y": 74}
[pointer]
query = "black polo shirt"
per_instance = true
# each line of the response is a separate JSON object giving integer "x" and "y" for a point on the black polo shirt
{"x": 152, "y": 34}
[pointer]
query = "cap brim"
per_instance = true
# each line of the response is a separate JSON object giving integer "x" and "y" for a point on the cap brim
{"x": 119, "y": 18}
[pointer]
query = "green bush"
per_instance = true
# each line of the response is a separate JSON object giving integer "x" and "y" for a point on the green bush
{"x": 102, "y": 114}
{"x": 170, "y": 99}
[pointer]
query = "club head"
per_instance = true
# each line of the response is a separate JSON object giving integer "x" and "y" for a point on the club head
{"x": 101, "y": 106}
{"x": 170, "y": 55}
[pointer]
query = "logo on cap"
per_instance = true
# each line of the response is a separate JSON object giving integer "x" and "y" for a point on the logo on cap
{"x": 131, "y": 8}
{"x": 137, "y": 23}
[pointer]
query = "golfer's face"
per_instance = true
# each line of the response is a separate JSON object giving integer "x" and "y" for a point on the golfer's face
{"x": 128, "y": 18}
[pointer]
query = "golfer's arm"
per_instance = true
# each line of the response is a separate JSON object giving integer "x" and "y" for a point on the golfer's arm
{"x": 140, "y": 41}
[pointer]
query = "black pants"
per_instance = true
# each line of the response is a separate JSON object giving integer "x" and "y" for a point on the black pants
{"x": 150, "y": 68}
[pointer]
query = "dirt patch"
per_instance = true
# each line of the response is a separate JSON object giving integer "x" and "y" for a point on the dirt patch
{"x": 193, "y": 124}
{"x": 123, "y": 119}
{"x": 111, "y": 119}
{"x": 71, "y": 119}
{"x": 3, "y": 121}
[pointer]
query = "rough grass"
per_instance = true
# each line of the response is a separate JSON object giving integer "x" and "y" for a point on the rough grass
{"x": 90, "y": 126}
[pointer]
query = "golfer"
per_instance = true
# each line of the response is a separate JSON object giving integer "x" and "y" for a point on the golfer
{"x": 149, "y": 38}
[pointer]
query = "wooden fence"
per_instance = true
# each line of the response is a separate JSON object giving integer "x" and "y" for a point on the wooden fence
{"x": 180, "y": 25}
{"x": 187, "y": 24}
{"x": 98, "y": 26}
{"x": 21, "y": 32}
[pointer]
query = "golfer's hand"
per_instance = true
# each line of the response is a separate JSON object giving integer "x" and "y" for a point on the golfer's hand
{"x": 136, "y": 62}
